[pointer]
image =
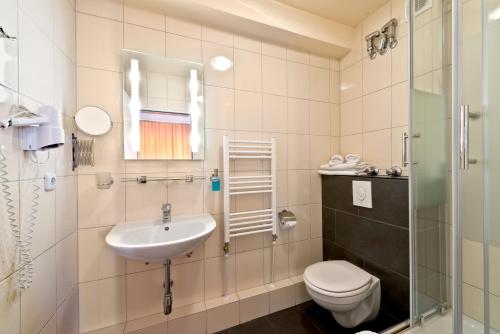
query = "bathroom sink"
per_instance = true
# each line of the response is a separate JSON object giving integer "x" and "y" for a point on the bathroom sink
{"x": 153, "y": 240}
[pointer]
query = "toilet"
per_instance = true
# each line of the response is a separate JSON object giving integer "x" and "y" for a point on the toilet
{"x": 349, "y": 292}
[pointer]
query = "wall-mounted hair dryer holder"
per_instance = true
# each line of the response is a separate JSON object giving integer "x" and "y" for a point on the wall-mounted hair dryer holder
{"x": 40, "y": 130}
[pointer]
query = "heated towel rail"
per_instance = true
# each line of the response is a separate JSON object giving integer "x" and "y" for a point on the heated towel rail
{"x": 238, "y": 223}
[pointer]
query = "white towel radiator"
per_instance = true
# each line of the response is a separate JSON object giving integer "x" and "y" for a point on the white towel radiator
{"x": 255, "y": 221}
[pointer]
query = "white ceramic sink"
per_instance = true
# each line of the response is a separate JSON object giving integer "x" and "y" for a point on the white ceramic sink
{"x": 153, "y": 240}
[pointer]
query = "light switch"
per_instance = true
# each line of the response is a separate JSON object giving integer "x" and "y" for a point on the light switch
{"x": 362, "y": 193}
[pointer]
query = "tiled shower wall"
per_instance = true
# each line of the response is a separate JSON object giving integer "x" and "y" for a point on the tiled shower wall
{"x": 41, "y": 72}
{"x": 374, "y": 93}
{"x": 271, "y": 91}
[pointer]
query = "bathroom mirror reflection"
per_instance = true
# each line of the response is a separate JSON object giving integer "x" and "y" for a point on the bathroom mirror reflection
{"x": 163, "y": 108}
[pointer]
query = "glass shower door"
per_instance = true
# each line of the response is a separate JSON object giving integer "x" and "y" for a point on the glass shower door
{"x": 493, "y": 151}
{"x": 477, "y": 171}
{"x": 429, "y": 166}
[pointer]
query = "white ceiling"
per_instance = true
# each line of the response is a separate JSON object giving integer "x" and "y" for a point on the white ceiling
{"x": 350, "y": 12}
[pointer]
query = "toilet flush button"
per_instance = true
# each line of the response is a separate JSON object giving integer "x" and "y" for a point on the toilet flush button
{"x": 362, "y": 193}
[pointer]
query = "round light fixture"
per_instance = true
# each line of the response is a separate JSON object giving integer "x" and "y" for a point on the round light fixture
{"x": 221, "y": 63}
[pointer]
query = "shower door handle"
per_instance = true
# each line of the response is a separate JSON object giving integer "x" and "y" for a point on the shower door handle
{"x": 404, "y": 151}
{"x": 464, "y": 136}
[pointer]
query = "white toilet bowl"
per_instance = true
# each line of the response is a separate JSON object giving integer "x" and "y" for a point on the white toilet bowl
{"x": 349, "y": 292}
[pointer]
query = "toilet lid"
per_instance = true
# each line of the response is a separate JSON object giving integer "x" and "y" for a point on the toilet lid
{"x": 336, "y": 276}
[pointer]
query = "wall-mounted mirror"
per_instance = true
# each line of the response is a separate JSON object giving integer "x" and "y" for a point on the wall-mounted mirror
{"x": 93, "y": 121}
{"x": 163, "y": 108}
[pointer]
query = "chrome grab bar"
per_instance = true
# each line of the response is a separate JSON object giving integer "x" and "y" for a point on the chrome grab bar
{"x": 464, "y": 136}
{"x": 404, "y": 155}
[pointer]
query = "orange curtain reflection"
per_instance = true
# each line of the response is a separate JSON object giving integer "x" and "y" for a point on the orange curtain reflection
{"x": 161, "y": 140}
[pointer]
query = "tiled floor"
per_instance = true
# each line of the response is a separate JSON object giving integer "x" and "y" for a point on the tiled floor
{"x": 307, "y": 318}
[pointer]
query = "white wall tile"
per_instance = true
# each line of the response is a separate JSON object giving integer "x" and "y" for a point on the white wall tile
{"x": 182, "y": 47}
{"x": 379, "y": 68}
{"x": 351, "y": 117}
{"x": 273, "y": 50}
{"x": 377, "y": 110}
{"x": 222, "y": 317}
{"x": 246, "y": 43}
{"x": 182, "y": 27}
{"x": 102, "y": 303}
{"x": 274, "y": 76}
{"x": 298, "y": 80}
{"x": 192, "y": 324}
{"x": 248, "y": 111}
{"x": 38, "y": 303}
{"x": 351, "y": 82}
{"x": 274, "y": 113}
{"x": 217, "y": 36}
{"x": 144, "y": 40}
{"x": 67, "y": 268}
{"x": 320, "y": 84}
{"x": 111, "y": 9}
{"x": 95, "y": 33}
{"x": 319, "y": 116}
{"x": 102, "y": 89}
{"x": 247, "y": 70}
{"x": 298, "y": 116}
{"x": 297, "y": 56}
{"x": 36, "y": 62}
{"x": 249, "y": 269}
{"x": 213, "y": 76}
{"x": 96, "y": 259}
{"x": 100, "y": 207}
{"x": 144, "y": 17}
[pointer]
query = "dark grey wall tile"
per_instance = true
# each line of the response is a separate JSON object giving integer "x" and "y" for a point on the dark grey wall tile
{"x": 328, "y": 223}
{"x": 395, "y": 290}
{"x": 340, "y": 253}
{"x": 337, "y": 193}
{"x": 389, "y": 200}
{"x": 377, "y": 241}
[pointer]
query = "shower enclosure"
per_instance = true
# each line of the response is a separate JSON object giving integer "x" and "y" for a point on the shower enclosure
{"x": 454, "y": 135}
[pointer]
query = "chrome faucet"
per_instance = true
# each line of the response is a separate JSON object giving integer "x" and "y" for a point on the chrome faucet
{"x": 166, "y": 209}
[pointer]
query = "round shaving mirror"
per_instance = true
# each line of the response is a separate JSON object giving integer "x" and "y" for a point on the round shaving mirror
{"x": 93, "y": 121}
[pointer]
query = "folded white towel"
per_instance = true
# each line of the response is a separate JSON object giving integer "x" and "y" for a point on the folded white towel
{"x": 352, "y": 158}
{"x": 336, "y": 159}
{"x": 347, "y": 166}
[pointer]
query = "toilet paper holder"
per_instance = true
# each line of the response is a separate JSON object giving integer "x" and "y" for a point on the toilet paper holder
{"x": 287, "y": 219}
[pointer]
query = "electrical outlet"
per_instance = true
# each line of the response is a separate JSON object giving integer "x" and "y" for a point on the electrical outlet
{"x": 362, "y": 193}
{"x": 49, "y": 181}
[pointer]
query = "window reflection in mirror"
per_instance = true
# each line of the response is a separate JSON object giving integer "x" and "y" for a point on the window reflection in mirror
{"x": 163, "y": 109}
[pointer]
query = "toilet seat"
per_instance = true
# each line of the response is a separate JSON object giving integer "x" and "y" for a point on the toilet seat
{"x": 337, "y": 278}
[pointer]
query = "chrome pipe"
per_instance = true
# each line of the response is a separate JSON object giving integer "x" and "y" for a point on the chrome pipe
{"x": 167, "y": 293}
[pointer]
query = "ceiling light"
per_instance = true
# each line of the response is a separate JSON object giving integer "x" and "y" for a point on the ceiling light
{"x": 221, "y": 63}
